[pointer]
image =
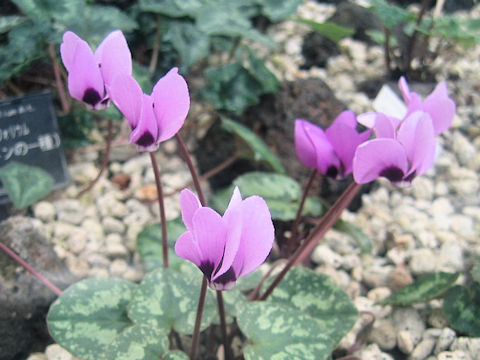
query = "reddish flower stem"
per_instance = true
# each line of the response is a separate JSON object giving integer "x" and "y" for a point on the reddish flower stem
{"x": 198, "y": 320}
{"x": 106, "y": 158}
{"x": 193, "y": 172}
{"x": 223, "y": 325}
{"x": 30, "y": 269}
{"x": 327, "y": 221}
{"x": 161, "y": 205}
{"x": 58, "y": 79}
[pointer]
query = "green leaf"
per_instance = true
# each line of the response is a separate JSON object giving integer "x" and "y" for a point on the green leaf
{"x": 364, "y": 242}
{"x": 89, "y": 315}
{"x": 38, "y": 11}
{"x": 250, "y": 281}
{"x": 234, "y": 302}
{"x": 391, "y": 15}
{"x": 277, "y": 10}
{"x": 9, "y": 22}
{"x": 328, "y": 29}
{"x": 425, "y": 289}
{"x": 139, "y": 342}
{"x": 304, "y": 318}
{"x": 476, "y": 272}
{"x": 25, "y": 184}
{"x": 462, "y": 308}
{"x": 149, "y": 244}
{"x": 172, "y": 8}
{"x": 260, "y": 150}
{"x": 175, "y": 355}
{"x": 262, "y": 74}
{"x": 166, "y": 299}
{"x": 281, "y": 193}
{"x": 191, "y": 44}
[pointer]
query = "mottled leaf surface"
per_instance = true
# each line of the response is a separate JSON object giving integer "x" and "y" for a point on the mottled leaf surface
{"x": 149, "y": 244}
{"x": 138, "y": 342}
{"x": 304, "y": 318}
{"x": 476, "y": 273}
{"x": 175, "y": 355}
{"x": 89, "y": 315}
{"x": 167, "y": 299}
{"x": 260, "y": 150}
{"x": 461, "y": 306}
{"x": 277, "y": 10}
{"x": 25, "y": 184}
{"x": 427, "y": 288}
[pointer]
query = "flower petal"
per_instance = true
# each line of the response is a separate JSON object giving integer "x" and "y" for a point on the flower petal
{"x": 85, "y": 82}
{"x": 128, "y": 97}
{"x": 440, "y": 107}
{"x": 189, "y": 204}
{"x": 114, "y": 57}
{"x": 257, "y": 236}
{"x": 145, "y": 134}
{"x": 67, "y": 48}
{"x": 171, "y": 103}
{"x": 209, "y": 231}
{"x": 303, "y": 143}
{"x": 404, "y": 89}
{"x": 187, "y": 248}
{"x": 380, "y": 157}
{"x": 417, "y": 137}
{"x": 347, "y": 118}
{"x": 386, "y": 126}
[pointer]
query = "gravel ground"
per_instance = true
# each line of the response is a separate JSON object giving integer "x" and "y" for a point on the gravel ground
{"x": 432, "y": 226}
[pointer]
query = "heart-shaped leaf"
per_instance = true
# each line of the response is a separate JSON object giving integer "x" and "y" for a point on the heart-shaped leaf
{"x": 90, "y": 315}
{"x": 427, "y": 288}
{"x": 462, "y": 308}
{"x": 304, "y": 318}
{"x": 166, "y": 299}
{"x": 25, "y": 184}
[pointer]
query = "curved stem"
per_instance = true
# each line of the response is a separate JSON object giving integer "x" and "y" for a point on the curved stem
{"x": 198, "y": 320}
{"x": 58, "y": 79}
{"x": 30, "y": 269}
{"x": 306, "y": 190}
{"x": 327, "y": 221}
{"x": 193, "y": 172}
{"x": 223, "y": 325}
{"x": 106, "y": 158}
{"x": 161, "y": 205}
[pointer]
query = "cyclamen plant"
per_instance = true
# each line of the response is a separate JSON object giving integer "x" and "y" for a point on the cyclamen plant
{"x": 299, "y": 314}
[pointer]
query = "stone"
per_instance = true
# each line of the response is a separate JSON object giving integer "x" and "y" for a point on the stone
{"x": 373, "y": 352}
{"x": 56, "y": 352}
{"x": 470, "y": 346}
{"x": 437, "y": 319}
{"x": 37, "y": 356}
{"x": 383, "y": 334}
{"x": 376, "y": 276}
{"x": 399, "y": 278}
{"x": 405, "y": 342}
{"x": 423, "y": 349}
{"x": 77, "y": 240}
{"x": 454, "y": 355}
{"x": 44, "y": 211}
{"x": 112, "y": 225}
{"x": 317, "y": 49}
{"x": 446, "y": 338}
{"x": 24, "y": 301}
{"x": 118, "y": 267}
{"x": 422, "y": 261}
{"x": 323, "y": 255}
{"x": 116, "y": 250}
{"x": 451, "y": 257}
{"x": 409, "y": 320}
{"x": 69, "y": 211}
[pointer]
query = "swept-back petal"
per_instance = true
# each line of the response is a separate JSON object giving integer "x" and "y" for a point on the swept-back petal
{"x": 128, "y": 97}
{"x": 189, "y": 204}
{"x": 367, "y": 119}
{"x": 85, "y": 82}
{"x": 145, "y": 134}
{"x": 404, "y": 89}
{"x": 171, "y": 103}
{"x": 386, "y": 126}
{"x": 440, "y": 107}
{"x": 67, "y": 48}
{"x": 380, "y": 157}
{"x": 347, "y": 118}
{"x": 304, "y": 146}
{"x": 210, "y": 233}
{"x": 257, "y": 236}
{"x": 417, "y": 137}
{"x": 345, "y": 140}
{"x": 114, "y": 57}
{"x": 187, "y": 248}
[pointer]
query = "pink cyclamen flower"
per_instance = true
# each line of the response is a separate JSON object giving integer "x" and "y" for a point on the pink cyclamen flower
{"x": 91, "y": 74}
{"x": 397, "y": 154}
{"x": 438, "y": 104}
{"x": 330, "y": 152}
{"x": 152, "y": 118}
{"x": 225, "y": 247}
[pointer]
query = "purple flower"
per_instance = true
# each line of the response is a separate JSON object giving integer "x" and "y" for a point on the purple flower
{"x": 330, "y": 152}
{"x": 91, "y": 74}
{"x": 152, "y": 118}
{"x": 399, "y": 155}
{"x": 229, "y": 246}
{"x": 438, "y": 105}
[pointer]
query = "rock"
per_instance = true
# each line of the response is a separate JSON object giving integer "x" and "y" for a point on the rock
{"x": 116, "y": 250}
{"x": 373, "y": 352}
{"x": 454, "y": 355}
{"x": 37, "y": 356}
{"x": 422, "y": 261}
{"x": 24, "y": 301}
{"x": 77, "y": 240}
{"x": 317, "y": 49}
{"x": 405, "y": 342}
{"x": 423, "y": 349}
{"x": 451, "y": 256}
{"x": 112, "y": 225}
{"x": 56, "y": 352}
{"x": 147, "y": 193}
{"x": 383, "y": 334}
{"x": 409, "y": 320}
{"x": 83, "y": 173}
{"x": 437, "y": 319}
{"x": 121, "y": 180}
{"x": 399, "y": 278}
{"x": 446, "y": 338}
{"x": 470, "y": 346}
{"x": 118, "y": 267}
{"x": 69, "y": 211}
{"x": 44, "y": 211}
{"x": 379, "y": 294}
{"x": 376, "y": 276}
{"x": 323, "y": 255}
